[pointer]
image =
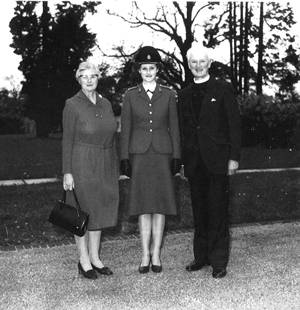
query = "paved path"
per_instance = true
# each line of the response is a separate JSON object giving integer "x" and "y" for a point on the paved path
{"x": 123, "y": 177}
{"x": 263, "y": 273}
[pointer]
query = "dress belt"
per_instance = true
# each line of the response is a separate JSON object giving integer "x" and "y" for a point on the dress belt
{"x": 100, "y": 146}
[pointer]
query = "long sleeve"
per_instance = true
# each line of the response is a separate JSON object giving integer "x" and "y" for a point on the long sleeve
{"x": 233, "y": 117}
{"x": 69, "y": 119}
{"x": 126, "y": 128}
{"x": 174, "y": 128}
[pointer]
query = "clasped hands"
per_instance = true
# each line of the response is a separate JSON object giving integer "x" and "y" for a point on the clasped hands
{"x": 125, "y": 166}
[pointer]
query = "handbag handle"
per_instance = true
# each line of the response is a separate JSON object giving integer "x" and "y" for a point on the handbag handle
{"x": 76, "y": 200}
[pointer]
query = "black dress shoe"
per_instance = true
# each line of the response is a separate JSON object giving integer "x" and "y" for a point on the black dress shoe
{"x": 194, "y": 266}
{"x": 219, "y": 273}
{"x": 144, "y": 269}
{"x": 90, "y": 274}
{"x": 104, "y": 270}
{"x": 156, "y": 268}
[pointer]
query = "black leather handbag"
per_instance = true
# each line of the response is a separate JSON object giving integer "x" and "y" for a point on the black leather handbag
{"x": 70, "y": 218}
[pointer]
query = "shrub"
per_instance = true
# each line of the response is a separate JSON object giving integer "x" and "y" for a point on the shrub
{"x": 267, "y": 121}
{"x": 12, "y": 110}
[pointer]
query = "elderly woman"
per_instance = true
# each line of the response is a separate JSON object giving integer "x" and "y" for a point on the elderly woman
{"x": 150, "y": 154}
{"x": 90, "y": 165}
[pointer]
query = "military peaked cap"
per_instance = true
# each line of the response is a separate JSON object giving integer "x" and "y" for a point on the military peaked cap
{"x": 147, "y": 54}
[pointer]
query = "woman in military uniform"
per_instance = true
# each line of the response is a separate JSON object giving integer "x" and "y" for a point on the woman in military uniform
{"x": 150, "y": 154}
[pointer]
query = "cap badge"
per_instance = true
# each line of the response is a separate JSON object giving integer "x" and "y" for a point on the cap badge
{"x": 148, "y": 57}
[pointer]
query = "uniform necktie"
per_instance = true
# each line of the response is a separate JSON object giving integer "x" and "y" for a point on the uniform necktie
{"x": 149, "y": 93}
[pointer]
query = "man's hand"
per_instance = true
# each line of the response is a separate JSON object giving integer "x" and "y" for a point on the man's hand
{"x": 232, "y": 167}
{"x": 182, "y": 174}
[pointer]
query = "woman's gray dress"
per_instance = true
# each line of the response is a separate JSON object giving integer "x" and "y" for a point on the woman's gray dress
{"x": 89, "y": 154}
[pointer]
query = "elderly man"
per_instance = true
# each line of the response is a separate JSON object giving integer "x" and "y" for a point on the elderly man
{"x": 209, "y": 123}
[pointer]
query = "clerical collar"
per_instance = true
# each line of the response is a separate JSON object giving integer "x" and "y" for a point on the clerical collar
{"x": 199, "y": 81}
{"x": 150, "y": 87}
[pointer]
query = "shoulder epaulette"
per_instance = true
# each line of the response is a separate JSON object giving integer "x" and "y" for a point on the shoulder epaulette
{"x": 131, "y": 88}
{"x": 167, "y": 87}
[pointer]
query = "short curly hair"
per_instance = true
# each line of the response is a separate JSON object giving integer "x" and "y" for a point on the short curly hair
{"x": 85, "y": 65}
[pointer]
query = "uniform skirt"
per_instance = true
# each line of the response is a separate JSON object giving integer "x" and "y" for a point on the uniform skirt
{"x": 151, "y": 187}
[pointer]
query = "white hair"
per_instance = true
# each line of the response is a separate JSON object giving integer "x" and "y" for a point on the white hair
{"x": 85, "y": 65}
{"x": 198, "y": 48}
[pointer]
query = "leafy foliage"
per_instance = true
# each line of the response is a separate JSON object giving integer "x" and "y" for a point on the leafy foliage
{"x": 51, "y": 47}
{"x": 268, "y": 121}
{"x": 13, "y": 107}
{"x": 251, "y": 37}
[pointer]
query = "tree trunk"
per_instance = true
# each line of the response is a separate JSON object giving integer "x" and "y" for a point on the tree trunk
{"x": 235, "y": 52}
{"x": 259, "y": 78}
{"x": 246, "y": 62}
{"x": 242, "y": 48}
{"x": 231, "y": 47}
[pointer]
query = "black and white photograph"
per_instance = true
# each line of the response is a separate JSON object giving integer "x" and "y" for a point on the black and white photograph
{"x": 150, "y": 155}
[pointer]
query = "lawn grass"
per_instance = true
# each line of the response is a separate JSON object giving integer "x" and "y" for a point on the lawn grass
{"x": 29, "y": 158}
{"x": 255, "y": 197}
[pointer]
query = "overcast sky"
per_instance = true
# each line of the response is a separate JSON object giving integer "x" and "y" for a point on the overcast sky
{"x": 111, "y": 31}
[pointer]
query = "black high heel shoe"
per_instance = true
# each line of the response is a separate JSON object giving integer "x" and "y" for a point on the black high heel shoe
{"x": 156, "y": 268}
{"x": 90, "y": 274}
{"x": 104, "y": 270}
{"x": 145, "y": 269}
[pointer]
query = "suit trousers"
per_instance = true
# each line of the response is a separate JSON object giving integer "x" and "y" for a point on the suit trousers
{"x": 210, "y": 200}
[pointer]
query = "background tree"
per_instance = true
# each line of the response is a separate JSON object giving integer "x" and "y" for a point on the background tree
{"x": 253, "y": 36}
{"x": 51, "y": 48}
{"x": 12, "y": 109}
{"x": 176, "y": 21}
{"x": 256, "y": 33}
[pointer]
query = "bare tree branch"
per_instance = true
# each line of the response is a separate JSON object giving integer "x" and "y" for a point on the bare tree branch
{"x": 169, "y": 23}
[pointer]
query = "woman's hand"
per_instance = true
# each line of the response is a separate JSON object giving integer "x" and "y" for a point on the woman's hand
{"x": 68, "y": 182}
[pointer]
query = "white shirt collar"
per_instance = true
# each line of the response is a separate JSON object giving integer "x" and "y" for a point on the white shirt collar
{"x": 199, "y": 81}
{"x": 151, "y": 87}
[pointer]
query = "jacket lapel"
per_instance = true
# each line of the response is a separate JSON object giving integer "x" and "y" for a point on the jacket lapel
{"x": 188, "y": 103}
{"x": 157, "y": 93}
{"x": 142, "y": 93}
{"x": 207, "y": 98}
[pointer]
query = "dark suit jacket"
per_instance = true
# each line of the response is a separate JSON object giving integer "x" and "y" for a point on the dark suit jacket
{"x": 214, "y": 133}
{"x": 147, "y": 121}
